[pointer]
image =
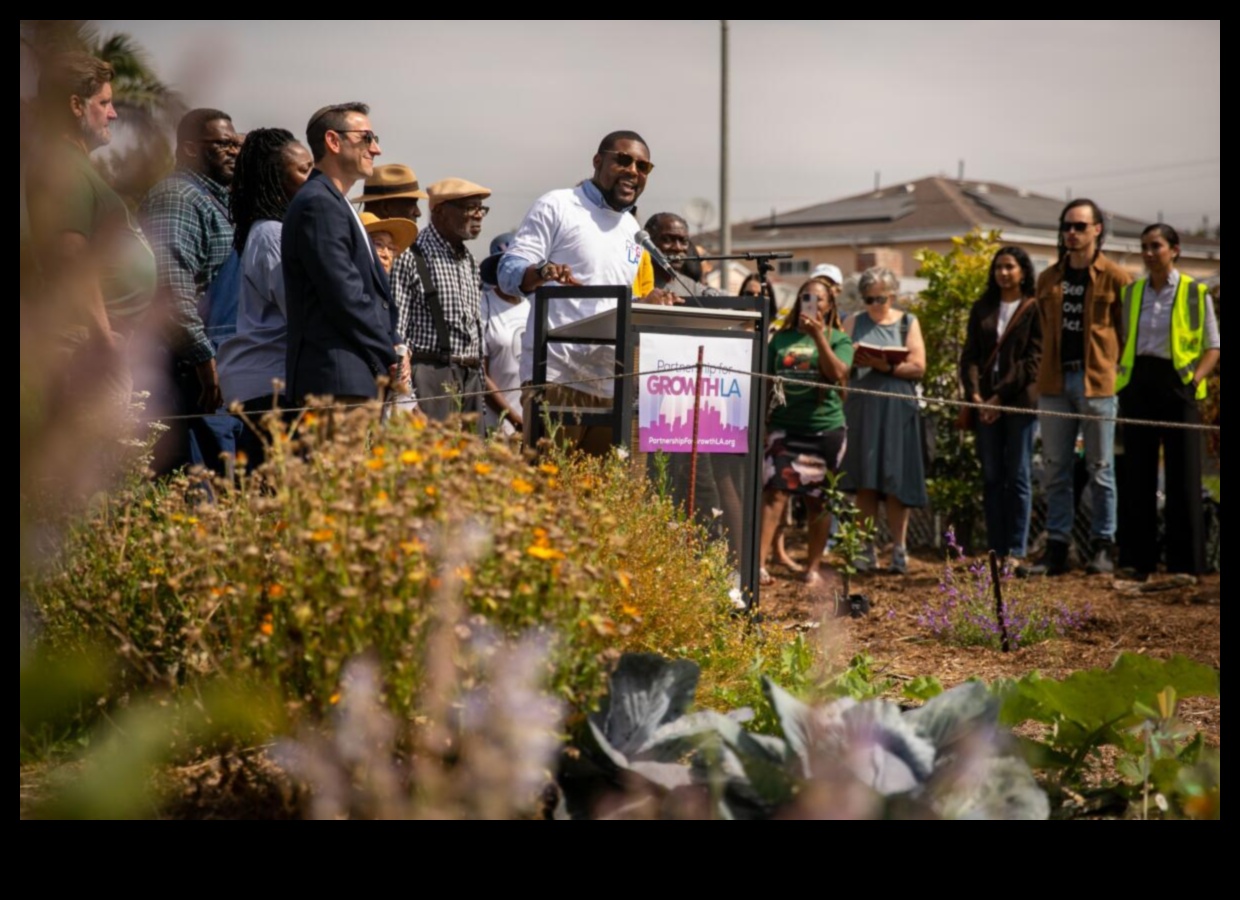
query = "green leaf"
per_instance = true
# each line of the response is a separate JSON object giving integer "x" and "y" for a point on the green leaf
{"x": 1097, "y": 700}
{"x": 923, "y": 687}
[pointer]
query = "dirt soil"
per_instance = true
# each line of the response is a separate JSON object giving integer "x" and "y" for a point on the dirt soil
{"x": 1118, "y": 619}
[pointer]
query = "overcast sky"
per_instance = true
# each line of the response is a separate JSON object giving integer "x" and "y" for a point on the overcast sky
{"x": 1124, "y": 112}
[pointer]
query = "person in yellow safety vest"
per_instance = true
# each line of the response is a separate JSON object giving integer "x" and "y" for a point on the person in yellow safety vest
{"x": 1172, "y": 347}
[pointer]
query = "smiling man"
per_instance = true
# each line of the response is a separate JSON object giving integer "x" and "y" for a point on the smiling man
{"x": 582, "y": 235}
{"x": 186, "y": 218}
{"x": 341, "y": 318}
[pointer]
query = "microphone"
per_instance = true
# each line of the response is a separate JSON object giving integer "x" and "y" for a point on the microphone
{"x": 660, "y": 259}
{"x": 643, "y": 237}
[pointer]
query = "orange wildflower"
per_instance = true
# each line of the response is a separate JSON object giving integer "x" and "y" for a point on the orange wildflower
{"x": 521, "y": 486}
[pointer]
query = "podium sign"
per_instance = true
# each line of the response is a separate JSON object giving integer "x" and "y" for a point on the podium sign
{"x": 666, "y": 399}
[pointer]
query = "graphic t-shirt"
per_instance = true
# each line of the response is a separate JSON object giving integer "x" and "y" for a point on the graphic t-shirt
{"x": 811, "y": 406}
{"x": 1072, "y": 346}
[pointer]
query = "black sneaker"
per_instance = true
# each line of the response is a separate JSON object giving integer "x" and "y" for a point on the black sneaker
{"x": 1053, "y": 562}
{"x": 1100, "y": 563}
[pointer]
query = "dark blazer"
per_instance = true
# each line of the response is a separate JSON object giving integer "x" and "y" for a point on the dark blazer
{"x": 1016, "y": 383}
{"x": 341, "y": 317}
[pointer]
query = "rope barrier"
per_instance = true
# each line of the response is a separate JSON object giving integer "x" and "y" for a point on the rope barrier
{"x": 778, "y": 380}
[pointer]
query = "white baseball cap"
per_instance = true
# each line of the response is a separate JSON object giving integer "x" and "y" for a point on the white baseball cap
{"x": 826, "y": 270}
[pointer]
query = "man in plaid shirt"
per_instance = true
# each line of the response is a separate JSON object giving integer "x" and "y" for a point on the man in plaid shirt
{"x": 444, "y": 337}
{"x": 186, "y": 219}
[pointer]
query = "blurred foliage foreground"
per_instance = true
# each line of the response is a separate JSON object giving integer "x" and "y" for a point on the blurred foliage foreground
{"x": 405, "y": 621}
{"x": 359, "y": 541}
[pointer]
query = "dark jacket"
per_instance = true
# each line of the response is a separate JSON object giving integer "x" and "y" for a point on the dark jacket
{"x": 1016, "y": 383}
{"x": 341, "y": 318}
{"x": 1104, "y": 327}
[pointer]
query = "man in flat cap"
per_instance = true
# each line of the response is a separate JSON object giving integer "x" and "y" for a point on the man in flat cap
{"x": 445, "y": 299}
{"x": 393, "y": 192}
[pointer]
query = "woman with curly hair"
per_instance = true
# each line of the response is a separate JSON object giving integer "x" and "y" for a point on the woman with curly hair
{"x": 271, "y": 168}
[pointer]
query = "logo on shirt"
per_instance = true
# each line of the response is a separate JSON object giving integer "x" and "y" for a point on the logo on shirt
{"x": 634, "y": 252}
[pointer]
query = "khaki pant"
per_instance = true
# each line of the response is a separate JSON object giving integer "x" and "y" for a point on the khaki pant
{"x": 593, "y": 439}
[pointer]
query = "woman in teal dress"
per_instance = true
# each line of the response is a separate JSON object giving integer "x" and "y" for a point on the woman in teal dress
{"x": 884, "y": 458}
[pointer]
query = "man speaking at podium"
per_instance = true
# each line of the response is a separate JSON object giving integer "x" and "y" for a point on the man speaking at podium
{"x": 585, "y": 235}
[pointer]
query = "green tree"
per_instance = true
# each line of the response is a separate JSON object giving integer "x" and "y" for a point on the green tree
{"x": 956, "y": 280}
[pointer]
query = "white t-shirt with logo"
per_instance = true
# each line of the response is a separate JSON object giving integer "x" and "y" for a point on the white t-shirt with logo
{"x": 565, "y": 227}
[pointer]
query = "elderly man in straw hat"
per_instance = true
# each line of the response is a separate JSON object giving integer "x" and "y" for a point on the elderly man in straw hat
{"x": 444, "y": 335}
{"x": 393, "y": 192}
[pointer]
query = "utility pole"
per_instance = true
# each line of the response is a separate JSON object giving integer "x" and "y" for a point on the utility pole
{"x": 725, "y": 225}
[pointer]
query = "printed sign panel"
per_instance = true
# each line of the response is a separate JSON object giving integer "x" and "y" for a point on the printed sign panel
{"x": 665, "y": 394}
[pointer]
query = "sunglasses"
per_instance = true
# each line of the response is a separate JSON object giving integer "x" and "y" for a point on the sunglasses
{"x": 881, "y": 298}
{"x": 1078, "y": 227}
{"x": 624, "y": 160}
{"x": 368, "y": 136}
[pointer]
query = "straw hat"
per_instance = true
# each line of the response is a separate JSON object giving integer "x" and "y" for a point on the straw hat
{"x": 403, "y": 231}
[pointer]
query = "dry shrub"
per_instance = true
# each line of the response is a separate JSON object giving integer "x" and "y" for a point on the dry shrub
{"x": 337, "y": 546}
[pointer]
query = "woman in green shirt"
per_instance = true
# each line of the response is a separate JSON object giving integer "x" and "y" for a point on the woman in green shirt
{"x": 806, "y": 435}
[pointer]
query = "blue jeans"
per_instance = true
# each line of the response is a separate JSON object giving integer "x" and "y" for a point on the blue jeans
{"x": 1059, "y": 446}
{"x": 1006, "y": 451}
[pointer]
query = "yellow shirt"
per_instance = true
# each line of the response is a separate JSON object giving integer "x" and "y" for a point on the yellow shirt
{"x": 643, "y": 284}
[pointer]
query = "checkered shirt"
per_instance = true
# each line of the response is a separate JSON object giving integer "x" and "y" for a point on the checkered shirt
{"x": 185, "y": 217}
{"x": 460, "y": 294}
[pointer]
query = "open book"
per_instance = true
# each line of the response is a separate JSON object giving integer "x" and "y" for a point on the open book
{"x": 893, "y": 354}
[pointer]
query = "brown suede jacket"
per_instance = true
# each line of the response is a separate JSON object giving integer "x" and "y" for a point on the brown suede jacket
{"x": 1104, "y": 327}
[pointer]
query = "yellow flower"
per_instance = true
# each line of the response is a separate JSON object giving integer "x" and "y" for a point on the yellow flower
{"x": 266, "y": 627}
{"x": 378, "y": 451}
{"x": 310, "y": 420}
{"x": 541, "y": 534}
{"x": 334, "y": 698}
{"x": 320, "y": 535}
{"x": 374, "y": 464}
{"x": 549, "y": 469}
{"x": 538, "y": 551}
{"x": 381, "y": 497}
{"x": 482, "y": 468}
{"x": 241, "y": 458}
{"x": 431, "y": 490}
{"x": 521, "y": 486}
{"x": 275, "y": 591}
{"x": 411, "y": 546}
{"x": 631, "y": 611}
{"x": 411, "y": 457}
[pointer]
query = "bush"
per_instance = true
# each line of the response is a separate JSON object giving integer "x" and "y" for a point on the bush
{"x": 362, "y": 544}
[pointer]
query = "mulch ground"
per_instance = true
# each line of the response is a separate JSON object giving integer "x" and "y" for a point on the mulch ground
{"x": 1161, "y": 623}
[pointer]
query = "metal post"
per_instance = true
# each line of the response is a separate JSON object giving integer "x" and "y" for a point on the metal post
{"x": 725, "y": 227}
{"x": 693, "y": 451}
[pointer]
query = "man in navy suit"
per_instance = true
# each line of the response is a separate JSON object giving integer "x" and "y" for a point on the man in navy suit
{"x": 341, "y": 317}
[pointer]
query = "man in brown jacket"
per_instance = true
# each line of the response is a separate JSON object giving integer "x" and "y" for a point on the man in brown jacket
{"x": 1083, "y": 331}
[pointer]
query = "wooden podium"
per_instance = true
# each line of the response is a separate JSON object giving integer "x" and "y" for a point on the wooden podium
{"x": 728, "y": 487}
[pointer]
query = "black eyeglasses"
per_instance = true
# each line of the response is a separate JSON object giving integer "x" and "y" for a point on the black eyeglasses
{"x": 225, "y": 144}
{"x": 475, "y": 210}
{"x": 624, "y": 160}
{"x": 1078, "y": 227}
{"x": 368, "y": 136}
{"x": 881, "y": 298}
